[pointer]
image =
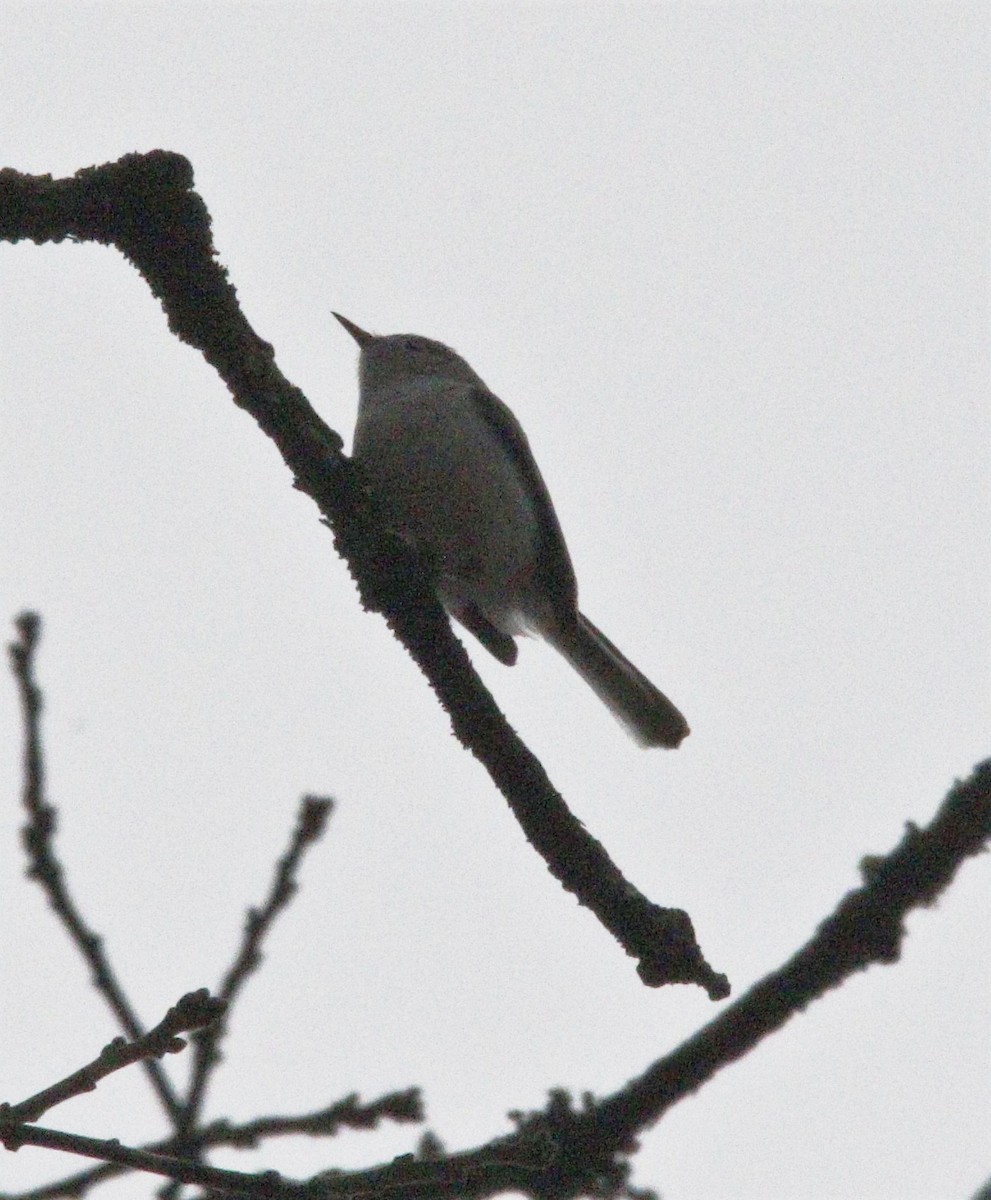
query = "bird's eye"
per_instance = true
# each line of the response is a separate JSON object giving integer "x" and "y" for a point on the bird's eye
{"x": 411, "y": 345}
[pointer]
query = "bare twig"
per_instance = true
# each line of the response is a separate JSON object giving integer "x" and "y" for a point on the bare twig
{"x": 180, "y": 1170}
{"x": 194, "y": 1011}
{"x": 311, "y": 822}
{"x": 563, "y": 1152}
{"x": 348, "y": 1113}
{"x": 520, "y": 1154}
{"x": 145, "y": 205}
{"x": 38, "y": 838}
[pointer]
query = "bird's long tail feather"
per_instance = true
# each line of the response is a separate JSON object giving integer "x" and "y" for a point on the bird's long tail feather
{"x": 648, "y": 715}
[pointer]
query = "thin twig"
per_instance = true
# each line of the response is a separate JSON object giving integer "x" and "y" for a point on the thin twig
{"x": 13, "y": 1137}
{"x": 38, "y": 837}
{"x": 348, "y": 1113}
{"x": 194, "y": 1011}
{"x": 187, "y": 1143}
{"x": 314, "y": 812}
{"x": 519, "y": 1155}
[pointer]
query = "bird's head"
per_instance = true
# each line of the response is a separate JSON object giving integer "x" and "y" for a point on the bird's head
{"x": 399, "y": 356}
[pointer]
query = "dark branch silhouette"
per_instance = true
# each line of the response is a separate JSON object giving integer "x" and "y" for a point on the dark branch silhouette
{"x": 349, "y": 1113}
{"x": 193, "y": 1011}
{"x": 312, "y": 820}
{"x": 453, "y": 1174}
{"x": 145, "y": 205}
{"x": 38, "y": 837}
{"x": 180, "y": 1155}
{"x": 561, "y": 1152}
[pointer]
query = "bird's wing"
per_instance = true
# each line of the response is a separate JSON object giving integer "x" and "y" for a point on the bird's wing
{"x": 554, "y": 562}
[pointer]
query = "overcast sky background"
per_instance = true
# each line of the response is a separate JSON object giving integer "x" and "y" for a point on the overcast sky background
{"x": 729, "y": 266}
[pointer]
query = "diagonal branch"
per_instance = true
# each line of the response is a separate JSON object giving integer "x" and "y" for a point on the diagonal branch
{"x": 867, "y": 927}
{"x": 145, "y": 206}
{"x": 193, "y": 1011}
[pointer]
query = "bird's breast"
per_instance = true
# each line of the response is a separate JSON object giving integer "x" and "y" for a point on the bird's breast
{"x": 446, "y": 482}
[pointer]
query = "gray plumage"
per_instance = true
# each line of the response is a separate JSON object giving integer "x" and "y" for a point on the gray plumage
{"x": 453, "y": 471}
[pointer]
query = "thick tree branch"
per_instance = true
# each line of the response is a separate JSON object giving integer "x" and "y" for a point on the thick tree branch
{"x": 144, "y": 204}
{"x": 867, "y": 927}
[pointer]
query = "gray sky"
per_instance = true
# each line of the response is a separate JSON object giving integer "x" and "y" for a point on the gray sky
{"x": 728, "y": 265}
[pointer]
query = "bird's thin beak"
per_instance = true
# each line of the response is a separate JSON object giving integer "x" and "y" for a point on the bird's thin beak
{"x": 359, "y": 335}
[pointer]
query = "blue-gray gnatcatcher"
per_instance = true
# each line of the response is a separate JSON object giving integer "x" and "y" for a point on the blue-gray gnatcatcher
{"x": 454, "y": 475}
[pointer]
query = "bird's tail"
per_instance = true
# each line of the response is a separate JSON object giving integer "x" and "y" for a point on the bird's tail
{"x": 648, "y": 715}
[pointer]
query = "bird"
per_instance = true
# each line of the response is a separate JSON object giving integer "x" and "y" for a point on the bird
{"x": 451, "y": 470}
